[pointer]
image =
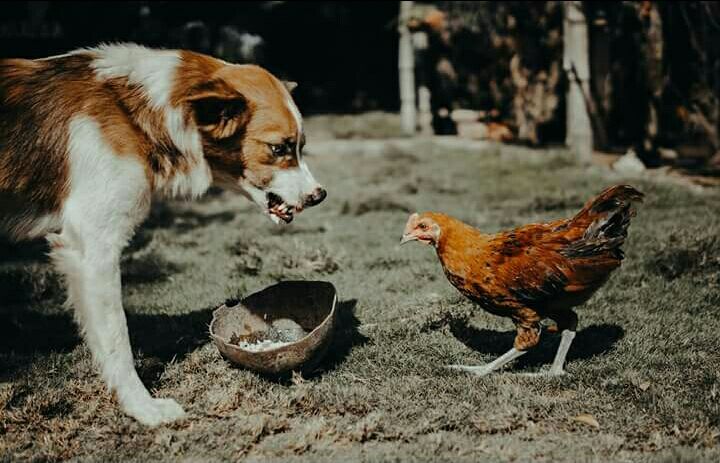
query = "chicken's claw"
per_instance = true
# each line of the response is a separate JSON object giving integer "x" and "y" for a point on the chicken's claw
{"x": 481, "y": 370}
{"x": 548, "y": 373}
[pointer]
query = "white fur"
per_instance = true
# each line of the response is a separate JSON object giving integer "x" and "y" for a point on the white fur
{"x": 42, "y": 225}
{"x": 298, "y": 121}
{"x": 49, "y": 58}
{"x": 293, "y": 185}
{"x": 154, "y": 71}
{"x": 187, "y": 139}
{"x": 109, "y": 195}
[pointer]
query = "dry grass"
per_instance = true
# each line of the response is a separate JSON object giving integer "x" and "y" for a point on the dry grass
{"x": 645, "y": 364}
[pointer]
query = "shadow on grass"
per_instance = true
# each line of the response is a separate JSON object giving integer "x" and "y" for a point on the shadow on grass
{"x": 36, "y": 250}
{"x": 590, "y": 342}
{"x": 346, "y": 337}
{"x": 162, "y": 215}
{"x": 27, "y": 281}
{"x": 156, "y": 339}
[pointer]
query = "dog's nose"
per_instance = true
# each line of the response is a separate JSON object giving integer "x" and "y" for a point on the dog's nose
{"x": 316, "y": 197}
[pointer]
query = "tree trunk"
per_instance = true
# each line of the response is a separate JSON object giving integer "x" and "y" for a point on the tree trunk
{"x": 406, "y": 66}
{"x": 653, "y": 53}
{"x": 579, "y": 136}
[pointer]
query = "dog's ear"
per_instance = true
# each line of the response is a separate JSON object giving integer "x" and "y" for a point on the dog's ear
{"x": 218, "y": 109}
{"x": 290, "y": 85}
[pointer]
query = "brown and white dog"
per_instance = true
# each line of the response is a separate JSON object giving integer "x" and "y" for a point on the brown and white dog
{"x": 88, "y": 137}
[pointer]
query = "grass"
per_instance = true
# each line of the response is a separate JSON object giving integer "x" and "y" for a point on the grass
{"x": 644, "y": 365}
{"x": 375, "y": 125}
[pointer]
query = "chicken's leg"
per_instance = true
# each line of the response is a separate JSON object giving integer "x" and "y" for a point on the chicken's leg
{"x": 557, "y": 366}
{"x": 482, "y": 370}
{"x": 559, "y": 362}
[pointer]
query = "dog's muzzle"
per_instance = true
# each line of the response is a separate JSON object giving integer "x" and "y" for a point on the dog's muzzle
{"x": 315, "y": 198}
{"x": 280, "y": 209}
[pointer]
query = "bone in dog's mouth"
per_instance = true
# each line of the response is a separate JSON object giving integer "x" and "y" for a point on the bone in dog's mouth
{"x": 279, "y": 208}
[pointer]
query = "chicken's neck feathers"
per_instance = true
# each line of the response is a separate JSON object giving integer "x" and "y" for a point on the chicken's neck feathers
{"x": 460, "y": 246}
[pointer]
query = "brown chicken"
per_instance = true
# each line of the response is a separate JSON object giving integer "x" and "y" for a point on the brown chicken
{"x": 533, "y": 272}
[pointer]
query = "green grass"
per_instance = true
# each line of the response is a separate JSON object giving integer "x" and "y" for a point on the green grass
{"x": 645, "y": 363}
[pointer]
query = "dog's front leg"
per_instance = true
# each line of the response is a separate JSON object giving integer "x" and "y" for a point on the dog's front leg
{"x": 90, "y": 264}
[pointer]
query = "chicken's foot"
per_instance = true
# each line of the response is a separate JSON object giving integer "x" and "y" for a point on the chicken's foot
{"x": 557, "y": 368}
{"x": 482, "y": 370}
{"x": 558, "y": 364}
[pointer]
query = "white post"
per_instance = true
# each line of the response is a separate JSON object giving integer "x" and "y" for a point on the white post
{"x": 406, "y": 65}
{"x": 579, "y": 136}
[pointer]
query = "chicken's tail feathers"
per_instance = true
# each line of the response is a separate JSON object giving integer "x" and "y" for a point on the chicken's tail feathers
{"x": 606, "y": 219}
{"x": 609, "y": 202}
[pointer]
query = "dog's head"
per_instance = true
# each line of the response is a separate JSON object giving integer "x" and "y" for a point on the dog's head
{"x": 252, "y": 137}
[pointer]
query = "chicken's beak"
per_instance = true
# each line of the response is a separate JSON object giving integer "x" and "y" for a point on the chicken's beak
{"x": 407, "y": 238}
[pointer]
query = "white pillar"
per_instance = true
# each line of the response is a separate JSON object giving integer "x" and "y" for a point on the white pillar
{"x": 406, "y": 65}
{"x": 579, "y": 135}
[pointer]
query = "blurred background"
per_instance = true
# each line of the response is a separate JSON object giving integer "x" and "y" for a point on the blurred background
{"x": 461, "y": 107}
{"x": 647, "y": 73}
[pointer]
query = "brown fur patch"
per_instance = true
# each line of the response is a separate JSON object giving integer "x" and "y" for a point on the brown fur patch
{"x": 38, "y": 99}
{"x": 238, "y": 144}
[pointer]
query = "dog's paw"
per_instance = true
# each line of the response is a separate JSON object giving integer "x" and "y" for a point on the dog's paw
{"x": 153, "y": 412}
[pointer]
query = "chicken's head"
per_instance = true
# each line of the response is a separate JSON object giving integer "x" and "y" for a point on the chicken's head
{"x": 423, "y": 228}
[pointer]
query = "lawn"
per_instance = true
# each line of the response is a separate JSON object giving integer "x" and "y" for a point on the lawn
{"x": 644, "y": 366}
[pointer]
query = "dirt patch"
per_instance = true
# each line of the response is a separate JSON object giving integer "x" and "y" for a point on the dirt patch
{"x": 297, "y": 230}
{"x": 396, "y": 154}
{"x": 319, "y": 261}
{"x": 301, "y": 264}
{"x": 57, "y": 408}
{"x": 386, "y": 263}
{"x": 248, "y": 256}
{"x": 409, "y": 189}
{"x": 700, "y": 258}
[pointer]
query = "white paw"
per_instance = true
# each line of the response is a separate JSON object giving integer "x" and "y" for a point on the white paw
{"x": 477, "y": 371}
{"x": 153, "y": 412}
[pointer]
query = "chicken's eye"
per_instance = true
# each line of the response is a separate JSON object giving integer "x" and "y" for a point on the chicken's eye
{"x": 422, "y": 227}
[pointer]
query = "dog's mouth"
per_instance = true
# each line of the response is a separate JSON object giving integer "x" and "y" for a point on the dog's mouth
{"x": 279, "y": 209}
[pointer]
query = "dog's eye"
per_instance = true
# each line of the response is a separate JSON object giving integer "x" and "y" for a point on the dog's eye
{"x": 278, "y": 150}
